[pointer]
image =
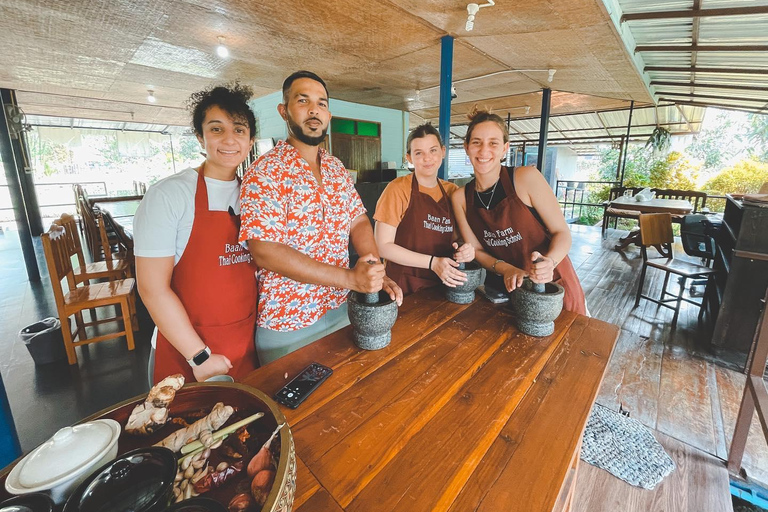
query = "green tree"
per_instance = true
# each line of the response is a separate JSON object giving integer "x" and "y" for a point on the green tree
{"x": 711, "y": 143}
{"x": 675, "y": 172}
{"x": 758, "y": 136}
{"x": 745, "y": 177}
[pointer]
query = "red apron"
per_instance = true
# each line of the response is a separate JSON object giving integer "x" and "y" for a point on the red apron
{"x": 426, "y": 228}
{"x": 215, "y": 281}
{"x": 494, "y": 229}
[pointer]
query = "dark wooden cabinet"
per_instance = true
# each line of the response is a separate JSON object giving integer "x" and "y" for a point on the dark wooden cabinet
{"x": 743, "y": 278}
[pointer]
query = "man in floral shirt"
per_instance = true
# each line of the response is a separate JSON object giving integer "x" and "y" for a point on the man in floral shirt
{"x": 299, "y": 211}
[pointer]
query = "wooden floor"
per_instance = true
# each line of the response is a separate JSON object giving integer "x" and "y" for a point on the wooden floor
{"x": 668, "y": 380}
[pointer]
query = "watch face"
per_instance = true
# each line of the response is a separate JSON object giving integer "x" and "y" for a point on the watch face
{"x": 201, "y": 357}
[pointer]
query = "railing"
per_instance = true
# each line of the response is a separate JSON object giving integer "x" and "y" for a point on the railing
{"x": 578, "y": 198}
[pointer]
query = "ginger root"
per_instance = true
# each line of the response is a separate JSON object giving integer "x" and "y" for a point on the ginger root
{"x": 151, "y": 414}
{"x": 202, "y": 429}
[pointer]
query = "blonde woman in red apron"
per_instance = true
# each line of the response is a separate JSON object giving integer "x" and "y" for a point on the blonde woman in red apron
{"x": 201, "y": 289}
{"x": 512, "y": 217}
{"x": 415, "y": 226}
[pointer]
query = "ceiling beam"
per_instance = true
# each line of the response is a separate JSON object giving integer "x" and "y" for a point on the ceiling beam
{"x": 695, "y": 13}
{"x": 742, "y": 108}
{"x": 692, "y": 95}
{"x": 599, "y": 118}
{"x": 702, "y": 48}
{"x": 696, "y": 69}
{"x": 680, "y": 109}
{"x": 710, "y": 86}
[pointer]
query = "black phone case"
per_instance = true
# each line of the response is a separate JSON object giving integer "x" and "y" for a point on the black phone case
{"x": 300, "y": 387}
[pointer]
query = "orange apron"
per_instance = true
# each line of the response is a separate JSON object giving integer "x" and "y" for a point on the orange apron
{"x": 215, "y": 281}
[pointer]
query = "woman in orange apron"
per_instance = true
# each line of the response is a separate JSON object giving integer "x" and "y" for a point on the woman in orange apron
{"x": 415, "y": 226}
{"x": 512, "y": 217}
{"x": 197, "y": 282}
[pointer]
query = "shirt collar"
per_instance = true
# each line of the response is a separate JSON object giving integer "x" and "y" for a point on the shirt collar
{"x": 293, "y": 153}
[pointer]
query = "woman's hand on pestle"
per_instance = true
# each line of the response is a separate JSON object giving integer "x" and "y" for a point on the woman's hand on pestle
{"x": 368, "y": 275}
{"x": 394, "y": 291}
{"x": 463, "y": 254}
{"x": 542, "y": 268}
{"x": 513, "y": 276}
{"x": 446, "y": 269}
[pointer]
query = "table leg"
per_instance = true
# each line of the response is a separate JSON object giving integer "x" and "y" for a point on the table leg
{"x": 633, "y": 237}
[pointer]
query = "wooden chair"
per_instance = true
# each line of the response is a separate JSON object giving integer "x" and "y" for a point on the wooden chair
{"x": 656, "y": 230}
{"x": 111, "y": 268}
{"x": 112, "y": 293}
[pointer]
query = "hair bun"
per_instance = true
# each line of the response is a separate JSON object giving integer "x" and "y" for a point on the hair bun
{"x": 476, "y": 111}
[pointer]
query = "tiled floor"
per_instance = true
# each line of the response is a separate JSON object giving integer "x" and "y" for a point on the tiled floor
{"x": 45, "y": 398}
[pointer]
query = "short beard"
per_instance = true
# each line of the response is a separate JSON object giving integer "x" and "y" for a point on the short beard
{"x": 297, "y": 132}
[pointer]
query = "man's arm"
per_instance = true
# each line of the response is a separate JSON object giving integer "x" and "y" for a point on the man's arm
{"x": 295, "y": 265}
{"x": 361, "y": 236}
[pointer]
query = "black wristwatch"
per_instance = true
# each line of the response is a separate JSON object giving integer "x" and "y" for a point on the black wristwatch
{"x": 200, "y": 357}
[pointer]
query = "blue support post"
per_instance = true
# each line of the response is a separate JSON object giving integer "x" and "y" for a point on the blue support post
{"x": 546, "y": 96}
{"x": 446, "y": 81}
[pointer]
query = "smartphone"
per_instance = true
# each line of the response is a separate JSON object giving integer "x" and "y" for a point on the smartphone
{"x": 493, "y": 295}
{"x": 296, "y": 391}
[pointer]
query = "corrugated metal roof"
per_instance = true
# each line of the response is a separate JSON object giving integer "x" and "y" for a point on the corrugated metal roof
{"x": 583, "y": 131}
{"x": 96, "y": 124}
{"x": 740, "y": 76}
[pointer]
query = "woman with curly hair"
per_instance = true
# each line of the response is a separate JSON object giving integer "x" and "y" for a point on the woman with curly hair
{"x": 512, "y": 217}
{"x": 196, "y": 281}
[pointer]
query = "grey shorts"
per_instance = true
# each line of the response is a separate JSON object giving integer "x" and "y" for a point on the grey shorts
{"x": 271, "y": 345}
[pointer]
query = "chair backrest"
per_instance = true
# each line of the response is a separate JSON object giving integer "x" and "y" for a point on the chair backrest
{"x": 696, "y": 242}
{"x": 697, "y": 198}
{"x": 656, "y": 229}
{"x": 73, "y": 245}
{"x": 106, "y": 247}
{"x": 58, "y": 261}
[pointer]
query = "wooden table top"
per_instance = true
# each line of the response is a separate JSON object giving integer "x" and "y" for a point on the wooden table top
{"x": 460, "y": 412}
{"x": 674, "y": 206}
{"x": 117, "y": 209}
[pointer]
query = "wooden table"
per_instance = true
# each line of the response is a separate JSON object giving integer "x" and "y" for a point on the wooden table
{"x": 461, "y": 412}
{"x": 118, "y": 209}
{"x": 673, "y": 206}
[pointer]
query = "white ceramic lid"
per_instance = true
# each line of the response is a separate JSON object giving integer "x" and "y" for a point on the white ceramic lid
{"x": 68, "y": 452}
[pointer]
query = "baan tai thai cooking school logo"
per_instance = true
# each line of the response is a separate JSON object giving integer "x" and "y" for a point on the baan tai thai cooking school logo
{"x": 440, "y": 224}
{"x": 501, "y": 237}
{"x": 234, "y": 253}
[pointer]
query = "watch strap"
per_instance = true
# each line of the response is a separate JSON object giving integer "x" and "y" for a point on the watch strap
{"x": 200, "y": 357}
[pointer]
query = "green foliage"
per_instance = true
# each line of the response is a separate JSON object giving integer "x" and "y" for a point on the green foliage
{"x": 660, "y": 141}
{"x": 675, "y": 172}
{"x": 745, "y": 177}
{"x": 711, "y": 143}
{"x": 758, "y": 136}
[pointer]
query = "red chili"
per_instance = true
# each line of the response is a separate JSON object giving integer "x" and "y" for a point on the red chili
{"x": 217, "y": 478}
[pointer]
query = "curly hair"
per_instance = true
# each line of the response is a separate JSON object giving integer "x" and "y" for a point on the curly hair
{"x": 477, "y": 116}
{"x": 232, "y": 98}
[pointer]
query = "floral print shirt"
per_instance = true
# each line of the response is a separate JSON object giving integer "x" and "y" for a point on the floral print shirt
{"x": 280, "y": 201}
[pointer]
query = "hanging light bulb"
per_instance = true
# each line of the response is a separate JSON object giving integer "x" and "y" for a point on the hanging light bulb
{"x": 222, "y": 50}
{"x": 151, "y": 96}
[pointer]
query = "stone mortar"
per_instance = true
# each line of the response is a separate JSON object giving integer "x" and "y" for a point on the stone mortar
{"x": 465, "y": 293}
{"x": 371, "y": 321}
{"x": 535, "y": 312}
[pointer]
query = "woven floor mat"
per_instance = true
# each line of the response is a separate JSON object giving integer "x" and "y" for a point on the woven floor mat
{"x": 625, "y": 448}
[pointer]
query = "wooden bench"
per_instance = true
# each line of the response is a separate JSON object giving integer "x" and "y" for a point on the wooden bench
{"x": 697, "y": 199}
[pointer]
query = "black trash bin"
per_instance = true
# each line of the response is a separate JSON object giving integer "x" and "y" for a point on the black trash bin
{"x": 43, "y": 340}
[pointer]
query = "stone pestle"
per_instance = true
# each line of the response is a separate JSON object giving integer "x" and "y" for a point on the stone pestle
{"x": 372, "y": 316}
{"x": 536, "y": 306}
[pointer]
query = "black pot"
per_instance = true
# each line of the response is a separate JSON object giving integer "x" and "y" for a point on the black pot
{"x": 28, "y": 503}
{"x": 137, "y": 481}
{"x": 198, "y": 505}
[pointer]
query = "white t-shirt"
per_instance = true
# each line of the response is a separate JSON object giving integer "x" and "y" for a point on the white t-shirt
{"x": 163, "y": 221}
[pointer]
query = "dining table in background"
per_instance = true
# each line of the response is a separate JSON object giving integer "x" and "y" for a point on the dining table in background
{"x": 655, "y": 205}
{"x": 460, "y": 412}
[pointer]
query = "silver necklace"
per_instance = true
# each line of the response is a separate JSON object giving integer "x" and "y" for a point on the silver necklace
{"x": 490, "y": 201}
